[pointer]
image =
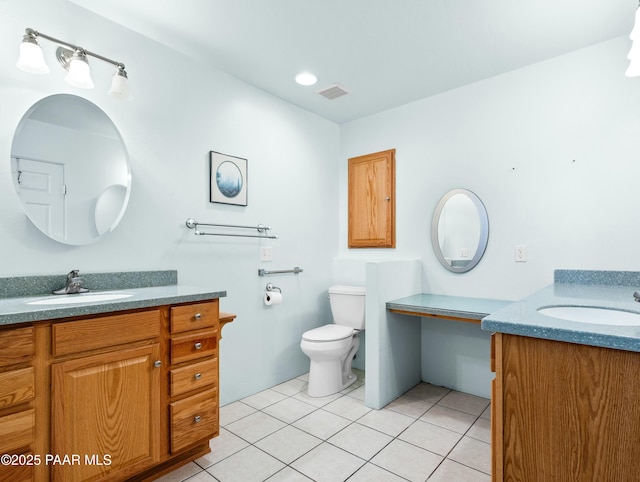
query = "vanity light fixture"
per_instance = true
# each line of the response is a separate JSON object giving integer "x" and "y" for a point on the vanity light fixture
{"x": 72, "y": 58}
{"x": 79, "y": 73}
{"x": 634, "y": 54}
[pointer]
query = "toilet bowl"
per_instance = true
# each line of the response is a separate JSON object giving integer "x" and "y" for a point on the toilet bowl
{"x": 331, "y": 347}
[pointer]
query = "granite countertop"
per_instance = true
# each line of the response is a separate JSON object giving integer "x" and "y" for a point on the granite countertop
{"x": 447, "y": 306}
{"x": 574, "y": 288}
{"x": 17, "y": 310}
{"x": 147, "y": 289}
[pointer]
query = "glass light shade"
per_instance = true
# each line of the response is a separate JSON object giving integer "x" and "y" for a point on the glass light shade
{"x": 634, "y": 68}
{"x": 120, "y": 86}
{"x": 31, "y": 59}
{"x": 79, "y": 73}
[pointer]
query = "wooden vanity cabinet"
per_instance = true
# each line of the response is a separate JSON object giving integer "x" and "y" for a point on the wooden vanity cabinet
{"x": 17, "y": 395}
{"x": 125, "y": 396}
{"x": 563, "y": 411}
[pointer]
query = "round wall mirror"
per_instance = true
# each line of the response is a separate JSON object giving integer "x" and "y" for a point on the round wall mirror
{"x": 70, "y": 169}
{"x": 459, "y": 230}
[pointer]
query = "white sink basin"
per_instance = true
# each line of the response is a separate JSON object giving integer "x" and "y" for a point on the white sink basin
{"x": 79, "y": 298}
{"x": 588, "y": 314}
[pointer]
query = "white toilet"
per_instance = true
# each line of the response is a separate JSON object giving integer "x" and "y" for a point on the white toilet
{"x": 331, "y": 348}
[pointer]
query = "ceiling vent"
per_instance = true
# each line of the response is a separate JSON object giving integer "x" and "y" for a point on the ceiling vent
{"x": 334, "y": 91}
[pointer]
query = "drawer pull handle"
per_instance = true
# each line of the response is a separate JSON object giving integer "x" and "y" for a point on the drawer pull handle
{"x": 197, "y": 316}
{"x": 197, "y": 376}
{"x": 197, "y": 346}
{"x": 157, "y": 363}
{"x": 197, "y": 419}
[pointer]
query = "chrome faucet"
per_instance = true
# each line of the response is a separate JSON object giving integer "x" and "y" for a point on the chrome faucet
{"x": 73, "y": 284}
{"x": 636, "y": 296}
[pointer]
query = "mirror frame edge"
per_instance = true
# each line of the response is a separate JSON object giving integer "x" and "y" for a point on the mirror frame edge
{"x": 484, "y": 230}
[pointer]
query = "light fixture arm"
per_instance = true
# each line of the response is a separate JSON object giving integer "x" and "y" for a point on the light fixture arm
{"x": 34, "y": 34}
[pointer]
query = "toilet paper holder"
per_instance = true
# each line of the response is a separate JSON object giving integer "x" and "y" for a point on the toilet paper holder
{"x": 271, "y": 287}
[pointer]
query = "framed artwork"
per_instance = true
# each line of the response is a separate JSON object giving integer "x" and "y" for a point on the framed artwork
{"x": 227, "y": 179}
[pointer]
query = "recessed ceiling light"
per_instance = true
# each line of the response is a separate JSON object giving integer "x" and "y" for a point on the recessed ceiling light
{"x": 306, "y": 78}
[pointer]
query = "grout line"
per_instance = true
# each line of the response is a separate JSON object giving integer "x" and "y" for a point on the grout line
{"x": 350, "y": 423}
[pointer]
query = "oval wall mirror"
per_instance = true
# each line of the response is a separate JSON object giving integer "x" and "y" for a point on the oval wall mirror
{"x": 459, "y": 230}
{"x": 70, "y": 169}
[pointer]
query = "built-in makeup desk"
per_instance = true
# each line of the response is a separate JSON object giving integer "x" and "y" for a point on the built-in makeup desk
{"x": 456, "y": 308}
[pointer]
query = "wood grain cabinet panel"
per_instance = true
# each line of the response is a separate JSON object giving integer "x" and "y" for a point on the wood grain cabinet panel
{"x": 195, "y": 316}
{"x": 17, "y": 430}
{"x": 372, "y": 200}
{"x": 16, "y": 386}
{"x": 194, "y": 419}
{"x": 107, "y": 405}
{"x": 192, "y": 346}
{"x": 565, "y": 412}
{"x": 104, "y": 331}
{"x": 16, "y": 346}
{"x": 17, "y": 393}
{"x": 193, "y": 377}
{"x": 16, "y": 473}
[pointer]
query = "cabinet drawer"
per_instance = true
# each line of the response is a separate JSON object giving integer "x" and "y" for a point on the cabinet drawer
{"x": 192, "y": 346}
{"x": 16, "y": 430}
{"x": 194, "y": 376}
{"x": 104, "y": 331}
{"x": 194, "y": 317}
{"x": 194, "y": 419}
{"x": 16, "y": 346}
{"x": 16, "y": 387}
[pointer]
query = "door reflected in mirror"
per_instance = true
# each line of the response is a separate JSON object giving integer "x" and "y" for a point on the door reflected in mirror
{"x": 459, "y": 230}
{"x": 70, "y": 169}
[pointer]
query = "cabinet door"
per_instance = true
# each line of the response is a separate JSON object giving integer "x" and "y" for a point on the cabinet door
{"x": 106, "y": 411}
{"x": 372, "y": 195}
{"x": 570, "y": 412}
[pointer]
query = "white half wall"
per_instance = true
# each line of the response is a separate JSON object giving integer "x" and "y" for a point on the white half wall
{"x": 393, "y": 351}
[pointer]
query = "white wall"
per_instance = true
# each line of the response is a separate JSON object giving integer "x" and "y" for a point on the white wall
{"x": 553, "y": 151}
{"x": 181, "y": 110}
{"x": 511, "y": 139}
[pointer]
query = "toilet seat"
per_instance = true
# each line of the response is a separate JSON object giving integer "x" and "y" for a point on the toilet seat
{"x": 327, "y": 333}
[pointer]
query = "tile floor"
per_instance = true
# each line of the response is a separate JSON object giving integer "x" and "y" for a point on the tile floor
{"x": 281, "y": 434}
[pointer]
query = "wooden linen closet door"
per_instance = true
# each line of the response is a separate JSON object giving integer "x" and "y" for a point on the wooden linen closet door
{"x": 372, "y": 200}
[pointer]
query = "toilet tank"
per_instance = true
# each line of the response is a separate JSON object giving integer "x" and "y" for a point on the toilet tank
{"x": 347, "y": 305}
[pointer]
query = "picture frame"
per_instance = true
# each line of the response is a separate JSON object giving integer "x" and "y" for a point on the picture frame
{"x": 227, "y": 179}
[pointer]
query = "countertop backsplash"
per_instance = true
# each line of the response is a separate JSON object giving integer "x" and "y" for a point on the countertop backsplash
{"x": 38, "y": 285}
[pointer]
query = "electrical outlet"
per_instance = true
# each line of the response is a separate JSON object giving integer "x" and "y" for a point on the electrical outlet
{"x": 521, "y": 253}
{"x": 266, "y": 253}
